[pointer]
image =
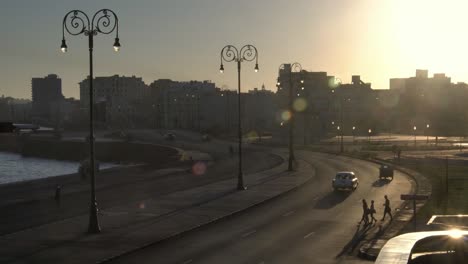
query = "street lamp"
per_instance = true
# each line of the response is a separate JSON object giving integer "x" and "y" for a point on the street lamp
{"x": 427, "y": 134}
{"x": 414, "y": 130}
{"x": 76, "y": 22}
{"x": 354, "y": 135}
{"x": 370, "y": 131}
{"x": 337, "y": 82}
{"x": 341, "y": 135}
{"x": 246, "y": 53}
{"x": 294, "y": 67}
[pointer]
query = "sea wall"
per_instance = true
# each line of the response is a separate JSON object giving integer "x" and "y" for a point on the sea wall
{"x": 111, "y": 151}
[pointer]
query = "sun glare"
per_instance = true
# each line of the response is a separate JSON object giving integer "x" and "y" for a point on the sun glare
{"x": 431, "y": 33}
{"x": 455, "y": 233}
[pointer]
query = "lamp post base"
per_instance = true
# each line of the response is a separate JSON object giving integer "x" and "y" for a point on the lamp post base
{"x": 240, "y": 184}
{"x": 93, "y": 227}
{"x": 290, "y": 163}
{"x": 241, "y": 188}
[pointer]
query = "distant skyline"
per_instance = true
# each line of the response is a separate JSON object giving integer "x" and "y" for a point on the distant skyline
{"x": 182, "y": 39}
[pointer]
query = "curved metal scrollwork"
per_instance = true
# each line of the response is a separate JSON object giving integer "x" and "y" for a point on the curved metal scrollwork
{"x": 76, "y": 22}
{"x": 229, "y": 53}
{"x": 105, "y": 21}
{"x": 248, "y": 53}
{"x": 296, "y": 67}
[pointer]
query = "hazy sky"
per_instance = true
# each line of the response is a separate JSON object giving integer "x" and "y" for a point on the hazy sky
{"x": 182, "y": 39}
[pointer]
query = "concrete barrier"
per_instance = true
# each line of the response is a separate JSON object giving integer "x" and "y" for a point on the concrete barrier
{"x": 109, "y": 151}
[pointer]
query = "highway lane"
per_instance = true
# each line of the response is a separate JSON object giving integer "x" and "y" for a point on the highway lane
{"x": 310, "y": 225}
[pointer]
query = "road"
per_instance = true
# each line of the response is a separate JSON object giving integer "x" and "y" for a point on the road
{"x": 310, "y": 225}
{"x": 31, "y": 203}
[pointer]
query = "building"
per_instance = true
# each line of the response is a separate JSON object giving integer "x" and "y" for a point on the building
{"x": 433, "y": 101}
{"x": 314, "y": 90}
{"x": 326, "y": 107}
{"x": 119, "y": 101}
{"x": 186, "y": 105}
{"x": 259, "y": 110}
{"x": 15, "y": 110}
{"x": 46, "y": 99}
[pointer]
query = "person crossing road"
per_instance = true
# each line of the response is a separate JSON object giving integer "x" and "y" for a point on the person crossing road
{"x": 387, "y": 209}
{"x": 372, "y": 212}
{"x": 365, "y": 212}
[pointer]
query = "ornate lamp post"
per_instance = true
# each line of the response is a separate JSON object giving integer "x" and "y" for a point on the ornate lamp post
{"x": 246, "y": 53}
{"x": 354, "y": 134}
{"x": 414, "y": 130}
{"x": 427, "y": 133}
{"x": 294, "y": 67}
{"x": 370, "y": 132}
{"x": 76, "y": 22}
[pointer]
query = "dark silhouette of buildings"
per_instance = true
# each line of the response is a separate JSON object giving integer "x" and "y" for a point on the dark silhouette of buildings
{"x": 46, "y": 99}
{"x": 435, "y": 101}
{"x": 330, "y": 107}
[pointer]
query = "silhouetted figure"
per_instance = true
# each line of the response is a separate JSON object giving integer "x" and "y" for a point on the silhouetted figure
{"x": 365, "y": 212}
{"x": 399, "y": 154}
{"x": 387, "y": 209}
{"x": 372, "y": 212}
{"x": 58, "y": 193}
{"x": 231, "y": 150}
{"x": 394, "y": 150}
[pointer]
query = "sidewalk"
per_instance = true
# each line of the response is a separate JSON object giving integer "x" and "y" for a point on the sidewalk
{"x": 131, "y": 226}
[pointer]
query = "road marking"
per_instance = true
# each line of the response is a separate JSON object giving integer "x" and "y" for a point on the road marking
{"x": 308, "y": 235}
{"x": 249, "y": 233}
{"x": 288, "y": 213}
{"x": 188, "y": 261}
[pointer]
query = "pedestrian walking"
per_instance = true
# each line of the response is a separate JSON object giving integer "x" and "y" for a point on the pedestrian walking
{"x": 365, "y": 212}
{"x": 372, "y": 212}
{"x": 387, "y": 209}
{"x": 58, "y": 191}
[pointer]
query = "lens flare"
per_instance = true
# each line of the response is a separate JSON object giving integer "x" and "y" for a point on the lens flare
{"x": 285, "y": 115}
{"x": 199, "y": 168}
{"x": 252, "y": 135}
{"x": 333, "y": 83}
{"x": 300, "y": 104}
{"x": 455, "y": 233}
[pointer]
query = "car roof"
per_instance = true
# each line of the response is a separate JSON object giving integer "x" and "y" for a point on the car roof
{"x": 345, "y": 172}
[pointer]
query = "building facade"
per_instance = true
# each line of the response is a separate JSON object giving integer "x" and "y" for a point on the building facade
{"x": 430, "y": 101}
{"x": 323, "y": 106}
{"x": 120, "y": 102}
{"x": 46, "y": 99}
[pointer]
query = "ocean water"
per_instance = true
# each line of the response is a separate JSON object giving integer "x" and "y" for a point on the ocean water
{"x": 14, "y": 167}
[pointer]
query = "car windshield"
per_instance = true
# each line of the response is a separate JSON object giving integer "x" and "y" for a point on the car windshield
{"x": 343, "y": 176}
{"x": 230, "y": 131}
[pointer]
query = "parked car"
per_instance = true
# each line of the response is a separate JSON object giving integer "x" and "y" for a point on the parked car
{"x": 345, "y": 180}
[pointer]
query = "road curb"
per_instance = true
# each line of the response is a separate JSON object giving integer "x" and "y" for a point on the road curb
{"x": 225, "y": 217}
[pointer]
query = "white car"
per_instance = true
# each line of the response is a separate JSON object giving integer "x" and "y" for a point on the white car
{"x": 345, "y": 180}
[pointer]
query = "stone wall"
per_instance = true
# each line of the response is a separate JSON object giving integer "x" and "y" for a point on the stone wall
{"x": 114, "y": 151}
